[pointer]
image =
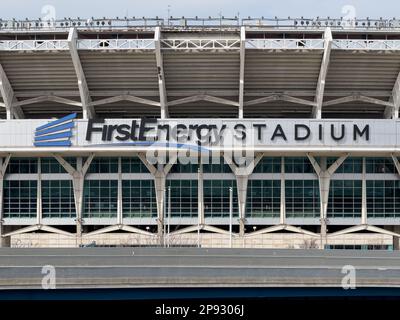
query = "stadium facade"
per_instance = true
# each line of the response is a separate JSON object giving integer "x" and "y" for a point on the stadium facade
{"x": 151, "y": 131}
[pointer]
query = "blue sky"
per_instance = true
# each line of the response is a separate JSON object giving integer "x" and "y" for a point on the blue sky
{"x": 256, "y": 8}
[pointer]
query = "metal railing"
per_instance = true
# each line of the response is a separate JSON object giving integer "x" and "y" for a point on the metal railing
{"x": 198, "y": 22}
{"x": 366, "y": 44}
{"x": 37, "y": 45}
{"x": 116, "y": 44}
{"x": 200, "y": 44}
{"x": 285, "y": 43}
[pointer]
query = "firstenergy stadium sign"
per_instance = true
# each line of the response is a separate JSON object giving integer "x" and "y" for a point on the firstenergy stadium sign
{"x": 221, "y": 132}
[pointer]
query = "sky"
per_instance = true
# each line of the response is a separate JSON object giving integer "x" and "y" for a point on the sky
{"x": 21, "y": 9}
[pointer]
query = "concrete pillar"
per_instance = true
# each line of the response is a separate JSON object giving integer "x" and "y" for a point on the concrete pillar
{"x": 78, "y": 179}
{"x": 324, "y": 185}
{"x": 242, "y": 182}
{"x": 159, "y": 173}
{"x": 4, "y": 242}
{"x": 159, "y": 182}
{"x": 78, "y": 185}
{"x": 324, "y": 178}
{"x": 242, "y": 174}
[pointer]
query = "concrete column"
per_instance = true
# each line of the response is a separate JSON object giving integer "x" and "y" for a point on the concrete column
{"x": 4, "y": 242}
{"x": 242, "y": 174}
{"x": 324, "y": 185}
{"x": 119, "y": 201}
{"x": 78, "y": 179}
{"x": 324, "y": 177}
{"x": 78, "y": 185}
{"x": 242, "y": 182}
{"x": 39, "y": 194}
{"x": 282, "y": 219}
{"x": 159, "y": 173}
{"x": 159, "y": 181}
{"x": 364, "y": 212}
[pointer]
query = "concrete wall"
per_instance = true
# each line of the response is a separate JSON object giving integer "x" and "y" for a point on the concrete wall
{"x": 208, "y": 240}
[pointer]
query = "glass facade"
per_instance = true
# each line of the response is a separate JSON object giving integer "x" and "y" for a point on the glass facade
{"x": 104, "y": 165}
{"x": 132, "y": 165}
{"x": 268, "y": 165}
{"x": 350, "y": 165}
{"x": 216, "y": 198}
{"x": 184, "y": 196}
{"x": 58, "y": 199}
{"x": 263, "y": 193}
{"x": 380, "y": 165}
{"x": 263, "y": 198}
{"x": 383, "y": 198}
{"x": 298, "y": 165}
{"x": 20, "y": 198}
{"x": 22, "y": 165}
{"x": 302, "y": 198}
{"x": 51, "y": 165}
{"x": 100, "y": 198}
{"x": 345, "y": 199}
{"x": 138, "y": 199}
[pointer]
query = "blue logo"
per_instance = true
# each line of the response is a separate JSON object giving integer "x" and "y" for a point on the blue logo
{"x": 56, "y": 133}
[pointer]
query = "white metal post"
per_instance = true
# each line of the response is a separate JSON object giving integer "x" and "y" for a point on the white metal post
{"x": 164, "y": 217}
{"x": 230, "y": 215}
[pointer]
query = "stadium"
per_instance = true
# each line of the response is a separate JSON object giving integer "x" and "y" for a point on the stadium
{"x": 253, "y": 133}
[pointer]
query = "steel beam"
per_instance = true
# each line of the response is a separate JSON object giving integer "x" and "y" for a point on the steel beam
{"x": 160, "y": 74}
{"x": 393, "y": 112}
{"x": 241, "y": 72}
{"x": 203, "y": 97}
{"x": 47, "y": 98}
{"x": 280, "y": 97}
{"x": 9, "y": 98}
{"x": 319, "y": 96}
{"x": 87, "y": 110}
{"x": 357, "y": 97}
{"x": 125, "y": 97}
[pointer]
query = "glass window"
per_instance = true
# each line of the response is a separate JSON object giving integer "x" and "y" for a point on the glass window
{"x": 100, "y": 198}
{"x": 139, "y": 198}
{"x": 268, "y": 165}
{"x": 22, "y": 165}
{"x": 133, "y": 165}
{"x": 379, "y": 165}
{"x": 345, "y": 199}
{"x": 383, "y": 198}
{"x": 263, "y": 198}
{"x": 302, "y": 198}
{"x": 51, "y": 165}
{"x": 20, "y": 198}
{"x": 216, "y": 165}
{"x": 298, "y": 165}
{"x": 104, "y": 165}
{"x": 184, "y": 196}
{"x": 216, "y": 198}
{"x": 350, "y": 165}
{"x": 58, "y": 199}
